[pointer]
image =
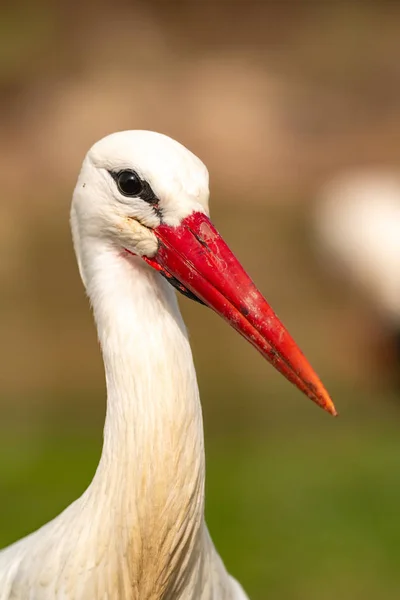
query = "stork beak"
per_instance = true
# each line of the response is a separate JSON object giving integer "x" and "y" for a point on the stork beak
{"x": 194, "y": 254}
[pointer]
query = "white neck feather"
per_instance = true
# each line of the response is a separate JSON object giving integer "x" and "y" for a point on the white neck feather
{"x": 138, "y": 531}
{"x": 151, "y": 473}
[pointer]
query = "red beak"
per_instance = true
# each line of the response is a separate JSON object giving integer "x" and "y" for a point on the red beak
{"x": 195, "y": 254}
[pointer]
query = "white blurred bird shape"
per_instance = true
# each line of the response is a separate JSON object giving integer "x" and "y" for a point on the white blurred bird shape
{"x": 357, "y": 227}
{"x": 140, "y": 223}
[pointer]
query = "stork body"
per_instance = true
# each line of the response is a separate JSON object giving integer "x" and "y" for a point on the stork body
{"x": 357, "y": 223}
{"x": 138, "y": 531}
{"x": 357, "y": 227}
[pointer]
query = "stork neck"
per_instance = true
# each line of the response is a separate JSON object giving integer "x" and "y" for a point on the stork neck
{"x": 152, "y": 465}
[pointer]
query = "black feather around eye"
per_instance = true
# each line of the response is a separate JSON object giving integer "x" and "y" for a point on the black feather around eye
{"x": 129, "y": 184}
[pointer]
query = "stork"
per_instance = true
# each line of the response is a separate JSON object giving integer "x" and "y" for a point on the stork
{"x": 141, "y": 228}
{"x": 357, "y": 229}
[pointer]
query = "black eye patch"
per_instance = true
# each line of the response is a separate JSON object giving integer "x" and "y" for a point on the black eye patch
{"x": 130, "y": 185}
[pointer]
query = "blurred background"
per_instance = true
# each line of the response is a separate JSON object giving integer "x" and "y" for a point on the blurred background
{"x": 295, "y": 109}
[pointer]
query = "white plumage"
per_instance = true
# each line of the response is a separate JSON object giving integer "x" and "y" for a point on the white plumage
{"x": 138, "y": 532}
{"x": 357, "y": 224}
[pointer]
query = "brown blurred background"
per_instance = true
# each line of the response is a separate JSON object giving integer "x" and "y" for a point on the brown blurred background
{"x": 275, "y": 98}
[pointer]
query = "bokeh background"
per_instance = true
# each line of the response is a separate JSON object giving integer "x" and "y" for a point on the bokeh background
{"x": 276, "y": 98}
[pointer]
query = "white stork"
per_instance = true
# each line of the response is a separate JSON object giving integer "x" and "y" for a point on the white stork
{"x": 140, "y": 223}
{"x": 357, "y": 227}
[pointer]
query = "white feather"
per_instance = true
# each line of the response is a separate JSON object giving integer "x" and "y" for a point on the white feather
{"x": 357, "y": 223}
{"x": 138, "y": 532}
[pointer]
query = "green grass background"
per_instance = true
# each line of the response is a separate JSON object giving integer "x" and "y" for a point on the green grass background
{"x": 296, "y": 512}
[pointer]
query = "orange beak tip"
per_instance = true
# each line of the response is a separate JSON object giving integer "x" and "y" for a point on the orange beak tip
{"x": 330, "y": 408}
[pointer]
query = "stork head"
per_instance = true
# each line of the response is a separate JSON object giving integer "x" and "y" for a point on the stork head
{"x": 147, "y": 195}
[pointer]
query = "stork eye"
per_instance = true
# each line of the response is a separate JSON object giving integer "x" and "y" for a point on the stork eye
{"x": 129, "y": 183}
